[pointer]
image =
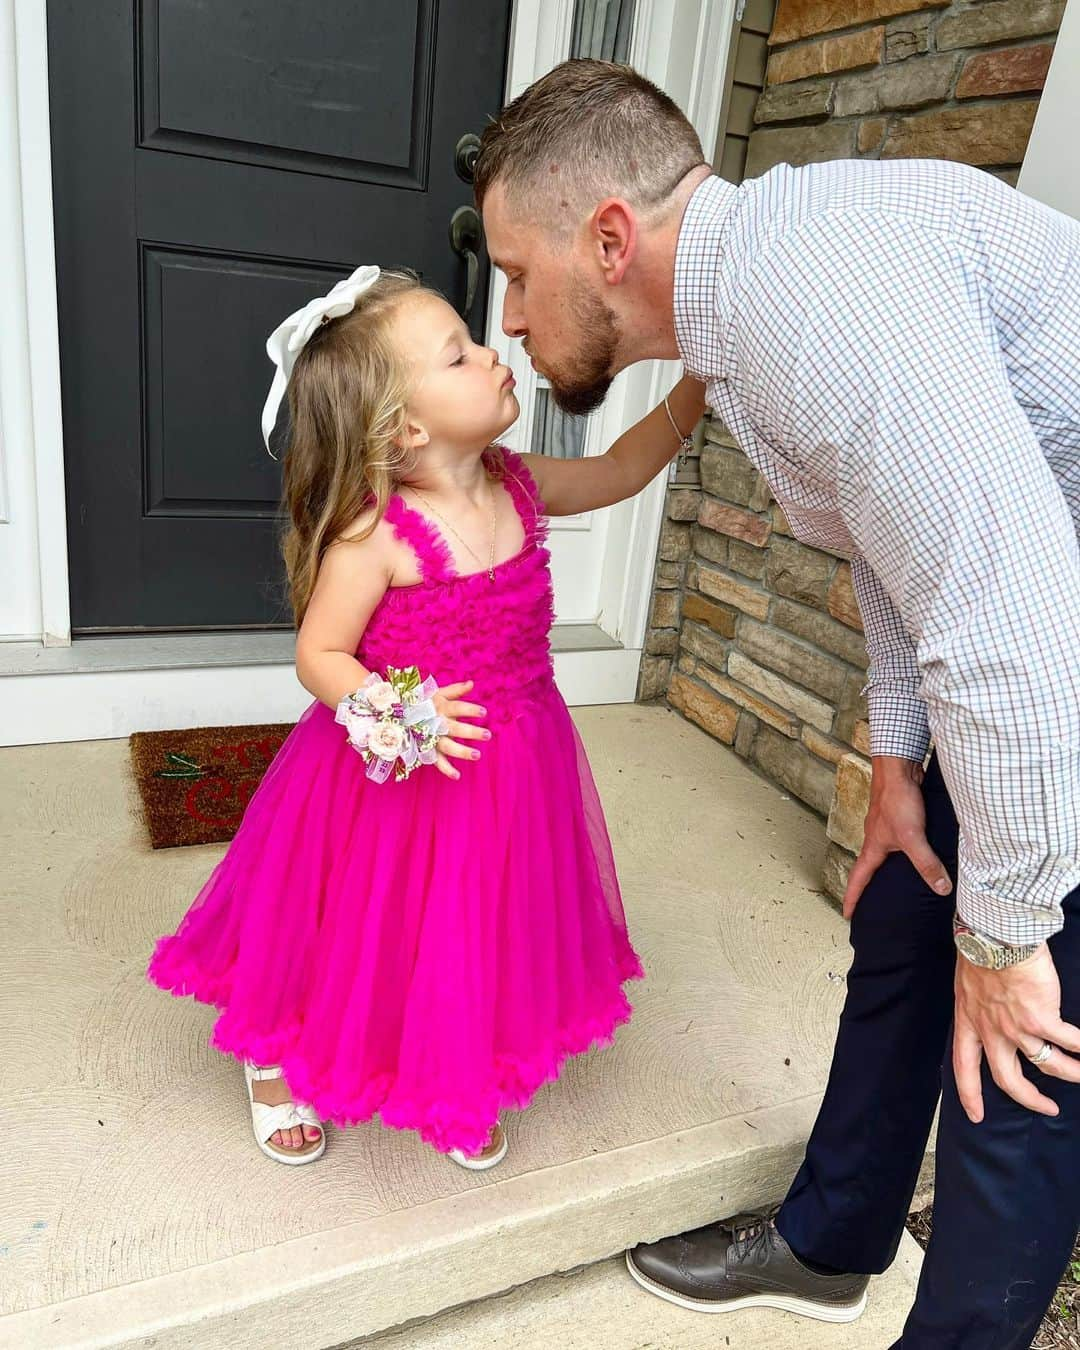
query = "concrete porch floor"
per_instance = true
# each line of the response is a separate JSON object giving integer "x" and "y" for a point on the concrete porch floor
{"x": 134, "y": 1204}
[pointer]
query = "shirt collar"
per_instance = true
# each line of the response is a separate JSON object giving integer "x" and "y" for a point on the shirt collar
{"x": 697, "y": 264}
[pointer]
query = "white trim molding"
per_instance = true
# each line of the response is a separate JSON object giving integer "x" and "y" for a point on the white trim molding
{"x": 39, "y": 249}
{"x": 1051, "y": 168}
{"x": 20, "y": 596}
{"x": 103, "y": 704}
{"x": 34, "y": 546}
{"x": 684, "y": 47}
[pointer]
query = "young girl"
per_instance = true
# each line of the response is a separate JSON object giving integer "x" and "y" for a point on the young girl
{"x": 420, "y": 917}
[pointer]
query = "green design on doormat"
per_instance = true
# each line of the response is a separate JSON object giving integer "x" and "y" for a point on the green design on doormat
{"x": 183, "y": 767}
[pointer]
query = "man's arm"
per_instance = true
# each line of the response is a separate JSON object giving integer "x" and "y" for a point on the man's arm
{"x": 950, "y": 499}
{"x": 899, "y": 739}
{"x": 898, "y": 721}
{"x": 897, "y": 390}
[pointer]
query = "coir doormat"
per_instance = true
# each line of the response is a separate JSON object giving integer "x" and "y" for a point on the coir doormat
{"x": 195, "y": 784}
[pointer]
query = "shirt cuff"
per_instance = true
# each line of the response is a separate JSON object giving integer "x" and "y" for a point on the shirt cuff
{"x": 898, "y": 724}
{"x": 1014, "y": 925}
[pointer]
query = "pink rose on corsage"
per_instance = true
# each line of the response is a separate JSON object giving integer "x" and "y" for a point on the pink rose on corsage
{"x": 380, "y": 695}
{"x": 386, "y": 740}
{"x": 392, "y": 724}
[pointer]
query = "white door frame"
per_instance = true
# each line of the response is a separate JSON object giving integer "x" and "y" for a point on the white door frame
{"x": 1051, "y": 169}
{"x": 682, "y": 45}
{"x": 31, "y": 433}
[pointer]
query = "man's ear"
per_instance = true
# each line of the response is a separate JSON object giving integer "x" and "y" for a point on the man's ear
{"x": 614, "y": 236}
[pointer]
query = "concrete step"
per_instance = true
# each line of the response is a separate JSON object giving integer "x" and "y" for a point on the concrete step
{"x": 600, "y": 1308}
{"x": 138, "y": 1210}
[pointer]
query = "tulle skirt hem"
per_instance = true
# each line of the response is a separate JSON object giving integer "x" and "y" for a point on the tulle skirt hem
{"x": 444, "y": 1124}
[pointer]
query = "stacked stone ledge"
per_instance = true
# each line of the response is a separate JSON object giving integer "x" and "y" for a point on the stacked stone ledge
{"x": 756, "y": 638}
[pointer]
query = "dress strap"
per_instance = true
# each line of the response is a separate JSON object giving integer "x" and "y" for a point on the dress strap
{"x": 414, "y": 529}
{"x": 523, "y": 493}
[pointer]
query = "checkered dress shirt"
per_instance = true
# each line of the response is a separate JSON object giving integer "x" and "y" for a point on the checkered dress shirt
{"x": 896, "y": 346}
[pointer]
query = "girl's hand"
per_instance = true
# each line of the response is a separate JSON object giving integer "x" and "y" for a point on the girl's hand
{"x": 570, "y": 486}
{"x": 447, "y": 704}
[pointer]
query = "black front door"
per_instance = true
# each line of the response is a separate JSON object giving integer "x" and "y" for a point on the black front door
{"x": 216, "y": 164}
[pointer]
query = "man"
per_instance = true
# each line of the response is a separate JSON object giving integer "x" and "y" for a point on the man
{"x": 896, "y": 346}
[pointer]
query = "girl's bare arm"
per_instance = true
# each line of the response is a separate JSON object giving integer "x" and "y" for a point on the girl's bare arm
{"x": 569, "y": 486}
{"x": 352, "y": 580}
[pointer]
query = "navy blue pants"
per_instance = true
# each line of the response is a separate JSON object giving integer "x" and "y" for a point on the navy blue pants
{"x": 1007, "y": 1200}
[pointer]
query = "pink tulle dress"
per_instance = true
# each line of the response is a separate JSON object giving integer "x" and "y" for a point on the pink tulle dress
{"x": 430, "y": 950}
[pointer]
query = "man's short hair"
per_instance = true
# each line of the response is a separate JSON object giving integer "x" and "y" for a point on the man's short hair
{"x": 584, "y": 131}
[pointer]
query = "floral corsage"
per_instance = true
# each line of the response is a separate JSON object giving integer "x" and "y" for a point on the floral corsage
{"x": 392, "y": 723}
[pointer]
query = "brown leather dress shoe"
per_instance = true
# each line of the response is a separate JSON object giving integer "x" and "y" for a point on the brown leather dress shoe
{"x": 723, "y": 1267}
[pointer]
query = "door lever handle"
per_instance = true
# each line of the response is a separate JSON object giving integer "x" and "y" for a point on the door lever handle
{"x": 466, "y": 234}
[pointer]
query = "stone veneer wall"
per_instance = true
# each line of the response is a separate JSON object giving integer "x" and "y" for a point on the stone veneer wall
{"x": 753, "y": 635}
{"x": 879, "y": 79}
{"x": 756, "y": 638}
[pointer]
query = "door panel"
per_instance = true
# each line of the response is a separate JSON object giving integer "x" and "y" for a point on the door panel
{"x": 200, "y": 373}
{"x": 282, "y": 85}
{"x": 216, "y": 166}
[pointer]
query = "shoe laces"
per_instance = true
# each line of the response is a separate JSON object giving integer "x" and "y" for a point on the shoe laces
{"x": 754, "y": 1236}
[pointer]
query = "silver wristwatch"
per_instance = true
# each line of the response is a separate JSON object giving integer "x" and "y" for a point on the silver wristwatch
{"x": 988, "y": 953}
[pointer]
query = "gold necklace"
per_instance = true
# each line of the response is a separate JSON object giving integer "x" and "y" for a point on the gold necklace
{"x": 464, "y": 543}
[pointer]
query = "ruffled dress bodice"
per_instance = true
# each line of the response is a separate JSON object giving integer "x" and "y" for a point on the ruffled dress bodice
{"x": 469, "y": 627}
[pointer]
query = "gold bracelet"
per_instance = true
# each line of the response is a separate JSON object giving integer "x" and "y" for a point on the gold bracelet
{"x": 686, "y": 443}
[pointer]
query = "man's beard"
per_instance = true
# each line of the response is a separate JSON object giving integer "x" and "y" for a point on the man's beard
{"x": 585, "y": 391}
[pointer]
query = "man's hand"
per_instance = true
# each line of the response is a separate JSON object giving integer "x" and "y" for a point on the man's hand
{"x": 895, "y": 823}
{"x": 1003, "y": 1013}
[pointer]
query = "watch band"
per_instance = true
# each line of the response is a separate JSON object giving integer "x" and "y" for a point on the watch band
{"x": 987, "y": 953}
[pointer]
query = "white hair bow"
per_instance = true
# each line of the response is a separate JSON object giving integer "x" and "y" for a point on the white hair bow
{"x": 288, "y": 339}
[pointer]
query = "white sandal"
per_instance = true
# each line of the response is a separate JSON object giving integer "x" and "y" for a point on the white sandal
{"x": 287, "y": 1115}
{"x": 478, "y": 1162}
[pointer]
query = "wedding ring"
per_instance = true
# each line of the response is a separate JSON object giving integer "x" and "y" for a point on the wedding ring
{"x": 1042, "y": 1055}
